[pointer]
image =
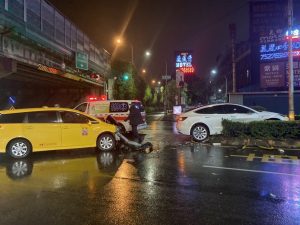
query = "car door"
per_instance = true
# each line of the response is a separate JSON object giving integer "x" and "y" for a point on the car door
{"x": 76, "y": 130}
{"x": 43, "y": 130}
{"x": 212, "y": 116}
{"x": 241, "y": 114}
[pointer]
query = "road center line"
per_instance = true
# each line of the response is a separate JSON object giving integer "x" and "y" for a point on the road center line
{"x": 253, "y": 171}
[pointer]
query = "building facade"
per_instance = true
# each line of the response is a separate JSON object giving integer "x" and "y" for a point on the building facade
{"x": 35, "y": 38}
{"x": 264, "y": 81}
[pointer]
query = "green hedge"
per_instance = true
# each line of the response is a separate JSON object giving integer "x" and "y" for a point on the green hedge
{"x": 262, "y": 129}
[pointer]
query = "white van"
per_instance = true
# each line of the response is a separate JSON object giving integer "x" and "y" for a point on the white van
{"x": 119, "y": 109}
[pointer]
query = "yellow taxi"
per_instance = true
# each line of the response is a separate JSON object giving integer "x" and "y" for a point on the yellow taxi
{"x": 23, "y": 131}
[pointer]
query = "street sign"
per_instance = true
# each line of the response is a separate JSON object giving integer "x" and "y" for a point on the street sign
{"x": 82, "y": 60}
{"x": 166, "y": 77}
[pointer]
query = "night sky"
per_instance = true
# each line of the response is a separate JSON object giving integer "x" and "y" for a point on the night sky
{"x": 162, "y": 26}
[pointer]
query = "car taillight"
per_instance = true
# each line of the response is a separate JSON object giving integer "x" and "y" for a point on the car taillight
{"x": 181, "y": 118}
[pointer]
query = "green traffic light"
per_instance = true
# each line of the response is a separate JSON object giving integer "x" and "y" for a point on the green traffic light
{"x": 126, "y": 77}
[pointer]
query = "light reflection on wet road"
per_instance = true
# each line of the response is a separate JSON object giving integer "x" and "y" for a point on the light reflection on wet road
{"x": 178, "y": 183}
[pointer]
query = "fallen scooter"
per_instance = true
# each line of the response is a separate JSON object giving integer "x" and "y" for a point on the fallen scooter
{"x": 144, "y": 147}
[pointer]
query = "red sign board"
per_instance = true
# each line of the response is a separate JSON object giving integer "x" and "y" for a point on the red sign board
{"x": 272, "y": 74}
{"x": 188, "y": 70}
{"x": 49, "y": 69}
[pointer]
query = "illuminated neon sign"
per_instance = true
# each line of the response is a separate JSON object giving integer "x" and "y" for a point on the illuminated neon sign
{"x": 184, "y": 62}
{"x": 278, "y": 50}
{"x": 48, "y": 69}
{"x": 293, "y": 34}
{"x": 187, "y": 70}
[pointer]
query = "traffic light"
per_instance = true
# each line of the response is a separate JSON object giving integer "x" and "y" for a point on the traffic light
{"x": 125, "y": 77}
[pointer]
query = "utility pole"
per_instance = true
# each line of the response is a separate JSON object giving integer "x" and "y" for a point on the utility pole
{"x": 232, "y": 30}
{"x": 290, "y": 61}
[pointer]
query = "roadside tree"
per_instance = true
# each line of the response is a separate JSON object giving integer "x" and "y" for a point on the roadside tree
{"x": 125, "y": 84}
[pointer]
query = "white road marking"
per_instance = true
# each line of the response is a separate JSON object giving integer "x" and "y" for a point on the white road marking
{"x": 253, "y": 171}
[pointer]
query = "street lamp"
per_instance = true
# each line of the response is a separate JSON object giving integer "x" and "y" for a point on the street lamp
{"x": 147, "y": 53}
{"x": 213, "y": 73}
{"x": 144, "y": 71}
{"x": 153, "y": 81}
{"x": 119, "y": 41}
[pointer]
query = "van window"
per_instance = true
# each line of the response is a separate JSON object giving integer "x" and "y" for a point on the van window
{"x": 118, "y": 107}
{"x": 12, "y": 118}
{"x": 82, "y": 107}
{"x": 42, "y": 117}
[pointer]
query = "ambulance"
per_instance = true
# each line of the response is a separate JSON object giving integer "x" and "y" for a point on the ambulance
{"x": 119, "y": 109}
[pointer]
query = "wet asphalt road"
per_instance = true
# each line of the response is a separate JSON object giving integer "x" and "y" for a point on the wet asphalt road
{"x": 180, "y": 182}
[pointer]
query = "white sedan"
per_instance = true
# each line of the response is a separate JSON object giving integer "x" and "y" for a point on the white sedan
{"x": 207, "y": 120}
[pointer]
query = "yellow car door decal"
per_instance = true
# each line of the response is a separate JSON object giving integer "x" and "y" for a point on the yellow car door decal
{"x": 84, "y": 131}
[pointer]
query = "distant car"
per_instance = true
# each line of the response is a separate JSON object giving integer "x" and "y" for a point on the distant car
{"x": 207, "y": 120}
{"x": 39, "y": 129}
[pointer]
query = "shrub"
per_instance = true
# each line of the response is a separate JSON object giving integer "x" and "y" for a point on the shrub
{"x": 235, "y": 129}
{"x": 262, "y": 129}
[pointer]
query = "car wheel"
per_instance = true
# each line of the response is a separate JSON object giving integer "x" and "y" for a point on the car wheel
{"x": 106, "y": 142}
{"x": 19, "y": 148}
{"x": 199, "y": 132}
